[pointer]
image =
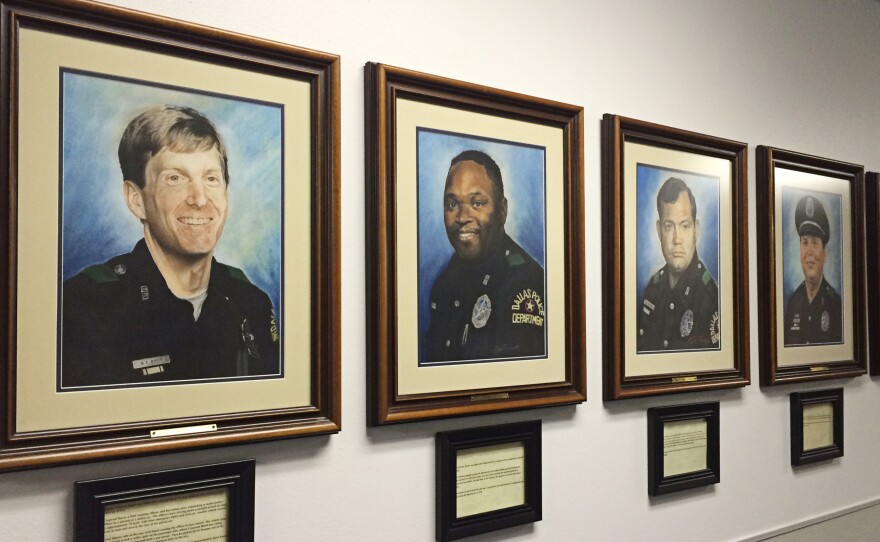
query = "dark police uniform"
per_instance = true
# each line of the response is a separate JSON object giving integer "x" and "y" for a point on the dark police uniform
{"x": 490, "y": 309}
{"x": 122, "y": 325}
{"x": 819, "y": 322}
{"x": 681, "y": 318}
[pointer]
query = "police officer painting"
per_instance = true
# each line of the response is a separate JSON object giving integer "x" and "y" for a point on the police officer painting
{"x": 168, "y": 311}
{"x": 486, "y": 300}
{"x": 678, "y": 304}
{"x": 813, "y": 312}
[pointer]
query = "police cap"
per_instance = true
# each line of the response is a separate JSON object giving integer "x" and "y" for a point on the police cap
{"x": 810, "y": 218}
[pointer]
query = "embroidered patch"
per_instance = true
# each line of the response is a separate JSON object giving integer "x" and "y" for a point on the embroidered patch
{"x": 687, "y": 323}
{"x": 715, "y": 329}
{"x": 273, "y": 327}
{"x": 527, "y": 308}
{"x": 826, "y": 320}
{"x": 482, "y": 311}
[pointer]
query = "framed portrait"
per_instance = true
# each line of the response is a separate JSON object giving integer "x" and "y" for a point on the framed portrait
{"x": 816, "y": 426}
{"x": 475, "y": 248}
{"x": 683, "y": 447}
{"x": 210, "y": 502}
{"x": 811, "y": 260}
{"x": 675, "y": 260}
{"x": 872, "y": 241}
{"x": 488, "y": 478}
{"x": 172, "y": 246}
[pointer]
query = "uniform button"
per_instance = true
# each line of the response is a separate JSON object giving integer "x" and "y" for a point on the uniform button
{"x": 119, "y": 269}
{"x": 809, "y": 318}
{"x": 447, "y": 343}
{"x": 456, "y": 303}
{"x": 641, "y": 331}
{"x": 672, "y": 306}
{"x": 665, "y": 344}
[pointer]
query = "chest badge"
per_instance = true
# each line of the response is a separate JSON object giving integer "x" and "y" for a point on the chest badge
{"x": 687, "y": 323}
{"x": 482, "y": 311}
{"x": 826, "y": 321}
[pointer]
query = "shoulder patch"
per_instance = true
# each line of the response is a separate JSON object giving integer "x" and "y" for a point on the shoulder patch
{"x": 657, "y": 276}
{"x": 707, "y": 277}
{"x": 515, "y": 259}
{"x": 237, "y": 274}
{"x": 100, "y": 274}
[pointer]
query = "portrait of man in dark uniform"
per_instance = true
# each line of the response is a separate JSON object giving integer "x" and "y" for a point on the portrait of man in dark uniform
{"x": 168, "y": 310}
{"x": 488, "y": 302}
{"x": 813, "y": 313}
{"x": 679, "y": 306}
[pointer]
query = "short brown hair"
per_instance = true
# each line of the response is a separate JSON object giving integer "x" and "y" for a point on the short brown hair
{"x": 172, "y": 127}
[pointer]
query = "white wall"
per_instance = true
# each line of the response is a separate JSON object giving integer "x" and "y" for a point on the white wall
{"x": 797, "y": 74}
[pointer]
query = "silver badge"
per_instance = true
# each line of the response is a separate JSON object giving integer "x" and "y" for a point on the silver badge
{"x": 809, "y": 208}
{"x": 826, "y": 320}
{"x": 482, "y": 310}
{"x": 119, "y": 269}
{"x": 687, "y": 323}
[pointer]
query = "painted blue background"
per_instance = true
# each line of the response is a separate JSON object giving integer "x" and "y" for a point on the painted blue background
{"x": 97, "y": 225}
{"x": 792, "y": 272}
{"x": 523, "y": 175}
{"x": 649, "y": 256}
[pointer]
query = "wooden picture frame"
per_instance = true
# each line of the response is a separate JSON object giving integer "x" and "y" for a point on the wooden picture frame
{"x": 526, "y": 305}
{"x": 872, "y": 252}
{"x": 211, "y": 499}
{"x": 98, "y": 69}
{"x": 683, "y": 447}
{"x": 816, "y": 425}
{"x": 808, "y": 199}
{"x": 468, "y": 460}
{"x": 661, "y": 334}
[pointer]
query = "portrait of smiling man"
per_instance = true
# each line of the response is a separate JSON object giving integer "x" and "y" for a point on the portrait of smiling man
{"x": 168, "y": 310}
{"x": 679, "y": 307}
{"x": 488, "y": 302}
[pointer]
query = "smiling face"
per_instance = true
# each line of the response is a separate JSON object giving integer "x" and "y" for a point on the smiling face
{"x": 678, "y": 232}
{"x": 812, "y": 259}
{"x": 473, "y": 216}
{"x": 183, "y": 204}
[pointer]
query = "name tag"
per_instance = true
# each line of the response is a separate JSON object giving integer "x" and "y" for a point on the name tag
{"x": 151, "y": 362}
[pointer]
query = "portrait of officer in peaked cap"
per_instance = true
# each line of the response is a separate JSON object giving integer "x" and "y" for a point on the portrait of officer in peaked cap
{"x": 813, "y": 312}
{"x": 165, "y": 310}
{"x": 678, "y": 305}
{"x": 486, "y": 299}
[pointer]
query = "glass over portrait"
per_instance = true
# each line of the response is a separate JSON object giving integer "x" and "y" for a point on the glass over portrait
{"x": 677, "y": 261}
{"x": 481, "y": 246}
{"x": 171, "y": 223}
{"x": 812, "y": 270}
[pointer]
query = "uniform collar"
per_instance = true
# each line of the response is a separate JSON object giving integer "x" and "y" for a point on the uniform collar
{"x": 490, "y": 262}
{"x": 148, "y": 272}
{"x": 694, "y": 269}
